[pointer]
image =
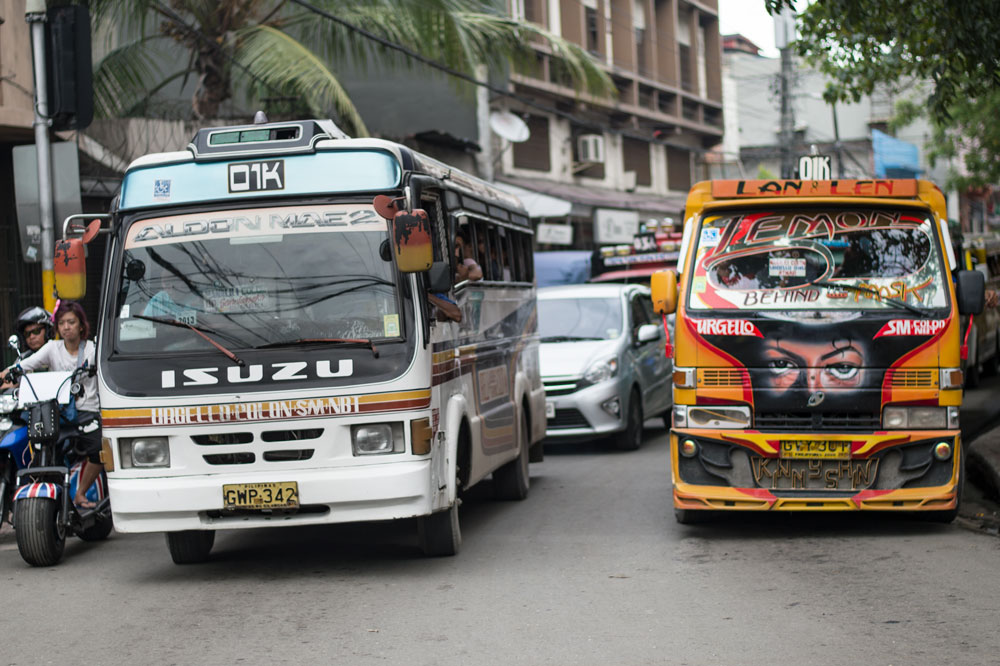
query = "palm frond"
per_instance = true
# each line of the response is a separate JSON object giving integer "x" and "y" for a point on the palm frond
{"x": 276, "y": 59}
{"x": 126, "y": 76}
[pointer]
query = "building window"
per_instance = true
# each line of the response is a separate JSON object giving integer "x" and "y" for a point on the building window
{"x": 684, "y": 50}
{"x": 590, "y": 14}
{"x": 678, "y": 169}
{"x": 636, "y": 154}
{"x": 534, "y": 153}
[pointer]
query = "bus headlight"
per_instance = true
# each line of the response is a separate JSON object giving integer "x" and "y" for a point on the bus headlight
{"x": 691, "y": 416}
{"x": 916, "y": 418}
{"x": 144, "y": 452}
{"x": 377, "y": 438}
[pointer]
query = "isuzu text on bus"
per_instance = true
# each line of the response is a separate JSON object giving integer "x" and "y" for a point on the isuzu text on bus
{"x": 817, "y": 352}
{"x": 274, "y": 348}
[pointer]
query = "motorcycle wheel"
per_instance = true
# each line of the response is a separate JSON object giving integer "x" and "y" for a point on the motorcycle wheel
{"x": 99, "y": 530}
{"x": 40, "y": 536}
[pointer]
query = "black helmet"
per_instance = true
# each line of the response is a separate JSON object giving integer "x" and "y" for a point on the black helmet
{"x": 33, "y": 315}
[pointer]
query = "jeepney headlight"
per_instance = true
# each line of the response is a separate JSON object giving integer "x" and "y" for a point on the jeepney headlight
{"x": 718, "y": 417}
{"x": 916, "y": 418}
{"x": 953, "y": 418}
{"x": 377, "y": 438}
{"x": 144, "y": 452}
{"x": 601, "y": 370}
{"x": 680, "y": 419}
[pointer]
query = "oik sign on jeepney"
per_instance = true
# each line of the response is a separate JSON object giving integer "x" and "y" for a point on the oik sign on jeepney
{"x": 814, "y": 167}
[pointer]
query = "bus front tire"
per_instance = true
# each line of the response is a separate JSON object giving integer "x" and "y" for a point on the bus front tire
{"x": 439, "y": 533}
{"x": 190, "y": 546}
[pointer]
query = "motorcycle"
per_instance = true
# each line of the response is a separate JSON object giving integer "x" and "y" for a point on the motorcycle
{"x": 13, "y": 449}
{"x": 43, "y": 510}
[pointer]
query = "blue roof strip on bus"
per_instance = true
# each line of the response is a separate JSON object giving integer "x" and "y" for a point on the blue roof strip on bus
{"x": 325, "y": 172}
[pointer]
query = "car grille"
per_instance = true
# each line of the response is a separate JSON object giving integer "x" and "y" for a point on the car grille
{"x": 568, "y": 418}
{"x": 796, "y": 421}
{"x": 556, "y": 387}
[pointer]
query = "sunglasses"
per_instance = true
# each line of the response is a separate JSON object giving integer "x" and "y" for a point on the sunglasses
{"x": 28, "y": 332}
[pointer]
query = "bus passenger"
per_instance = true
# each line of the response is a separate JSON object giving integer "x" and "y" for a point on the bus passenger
{"x": 466, "y": 267}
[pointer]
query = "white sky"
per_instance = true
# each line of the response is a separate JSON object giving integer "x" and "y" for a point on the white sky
{"x": 750, "y": 19}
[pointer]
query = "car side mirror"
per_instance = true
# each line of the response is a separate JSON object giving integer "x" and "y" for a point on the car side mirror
{"x": 648, "y": 333}
{"x": 970, "y": 290}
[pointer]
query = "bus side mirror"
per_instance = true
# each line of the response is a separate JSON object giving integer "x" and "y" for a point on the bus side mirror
{"x": 70, "y": 269}
{"x": 664, "y": 287}
{"x": 411, "y": 240}
{"x": 970, "y": 290}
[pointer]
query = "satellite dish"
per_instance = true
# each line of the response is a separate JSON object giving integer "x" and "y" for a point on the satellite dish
{"x": 509, "y": 126}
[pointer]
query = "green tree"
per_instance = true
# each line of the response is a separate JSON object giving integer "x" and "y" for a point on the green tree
{"x": 281, "y": 48}
{"x": 955, "y": 46}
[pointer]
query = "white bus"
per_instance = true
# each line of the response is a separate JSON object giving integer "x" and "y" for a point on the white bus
{"x": 268, "y": 352}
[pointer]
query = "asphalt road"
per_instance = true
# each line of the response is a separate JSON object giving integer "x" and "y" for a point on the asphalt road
{"x": 590, "y": 569}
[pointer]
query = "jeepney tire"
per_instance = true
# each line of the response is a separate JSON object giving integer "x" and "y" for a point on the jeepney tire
{"x": 512, "y": 480}
{"x": 41, "y": 539}
{"x": 692, "y": 516}
{"x": 99, "y": 531}
{"x": 630, "y": 438}
{"x": 440, "y": 534}
{"x": 190, "y": 546}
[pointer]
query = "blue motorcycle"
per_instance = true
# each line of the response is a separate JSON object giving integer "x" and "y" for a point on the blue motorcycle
{"x": 13, "y": 450}
{"x": 46, "y": 471}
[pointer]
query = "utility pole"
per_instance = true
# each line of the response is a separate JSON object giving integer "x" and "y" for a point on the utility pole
{"x": 787, "y": 116}
{"x": 839, "y": 149}
{"x": 34, "y": 14}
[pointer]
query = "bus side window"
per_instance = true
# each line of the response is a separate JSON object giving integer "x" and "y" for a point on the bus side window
{"x": 503, "y": 254}
{"x": 436, "y": 216}
{"x": 516, "y": 260}
{"x": 481, "y": 248}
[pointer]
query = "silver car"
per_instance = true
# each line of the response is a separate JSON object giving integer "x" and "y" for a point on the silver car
{"x": 603, "y": 362}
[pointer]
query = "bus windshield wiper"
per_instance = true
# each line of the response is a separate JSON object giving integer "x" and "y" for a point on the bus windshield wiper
{"x": 197, "y": 329}
{"x": 872, "y": 292}
{"x": 567, "y": 338}
{"x": 321, "y": 341}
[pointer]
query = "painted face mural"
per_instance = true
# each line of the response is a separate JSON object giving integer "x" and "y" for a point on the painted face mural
{"x": 817, "y": 304}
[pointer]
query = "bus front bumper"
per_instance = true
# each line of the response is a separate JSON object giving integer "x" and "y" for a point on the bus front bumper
{"x": 746, "y": 471}
{"x": 329, "y": 495}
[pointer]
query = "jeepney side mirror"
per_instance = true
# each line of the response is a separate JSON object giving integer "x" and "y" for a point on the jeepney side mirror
{"x": 970, "y": 290}
{"x": 664, "y": 287}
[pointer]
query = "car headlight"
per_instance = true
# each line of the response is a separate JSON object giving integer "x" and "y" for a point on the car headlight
{"x": 601, "y": 370}
{"x": 377, "y": 438}
{"x": 144, "y": 452}
{"x": 711, "y": 417}
{"x": 918, "y": 418}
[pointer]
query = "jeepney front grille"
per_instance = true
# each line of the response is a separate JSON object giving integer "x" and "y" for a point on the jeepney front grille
{"x": 711, "y": 377}
{"x": 285, "y": 455}
{"x": 238, "y": 458}
{"x": 222, "y": 438}
{"x": 910, "y": 378}
{"x": 799, "y": 421}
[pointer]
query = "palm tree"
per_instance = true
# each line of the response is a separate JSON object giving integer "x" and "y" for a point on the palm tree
{"x": 282, "y": 47}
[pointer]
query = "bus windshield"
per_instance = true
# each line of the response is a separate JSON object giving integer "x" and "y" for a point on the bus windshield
{"x": 256, "y": 277}
{"x": 787, "y": 259}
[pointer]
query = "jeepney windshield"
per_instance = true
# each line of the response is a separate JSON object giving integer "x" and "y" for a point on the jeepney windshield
{"x": 255, "y": 277}
{"x": 847, "y": 258}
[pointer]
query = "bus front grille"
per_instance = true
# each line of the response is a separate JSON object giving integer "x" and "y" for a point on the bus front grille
{"x": 797, "y": 421}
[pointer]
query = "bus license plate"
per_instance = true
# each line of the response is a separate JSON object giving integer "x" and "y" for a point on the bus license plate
{"x": 550, "y": 410}
{"x": 271, "y": 495}
{"x": 816, "y": 449}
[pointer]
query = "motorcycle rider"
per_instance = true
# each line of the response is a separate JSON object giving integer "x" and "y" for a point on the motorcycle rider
{"x": 34, "y": 329}
{"x": 63, "y": 355}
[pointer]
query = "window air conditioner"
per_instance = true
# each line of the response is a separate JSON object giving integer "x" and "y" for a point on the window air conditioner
{"x": 590, "y": 148}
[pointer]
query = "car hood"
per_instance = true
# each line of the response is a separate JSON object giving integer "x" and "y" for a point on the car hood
{"x": 571, "y": 359}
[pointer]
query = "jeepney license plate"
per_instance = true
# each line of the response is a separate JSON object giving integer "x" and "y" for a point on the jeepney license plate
{"x": 815, "y": 449}
{"x": 795, "y": 474}
{"x": 271, "y": 495}
{"x": 550, "y": 410}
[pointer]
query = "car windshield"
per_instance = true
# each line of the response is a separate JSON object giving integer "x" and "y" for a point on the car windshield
{"x": 817, "y": 259}
{"x": 250, "y": 278}
{"x": 569, "y": 319}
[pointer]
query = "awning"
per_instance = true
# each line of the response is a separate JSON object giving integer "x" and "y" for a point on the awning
{"x": 586, "y": 198}
{"x": 538, "y": 204}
